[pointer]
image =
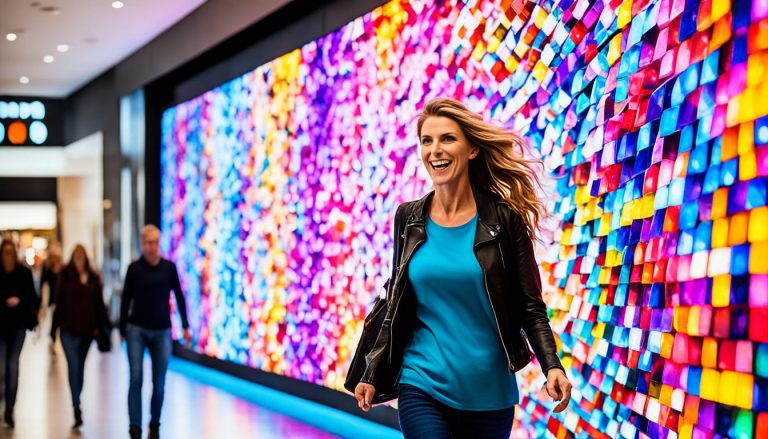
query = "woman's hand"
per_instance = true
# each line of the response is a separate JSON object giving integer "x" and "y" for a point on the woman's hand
{"x": 559, "y": 388}
{"x": 364, "y": 395}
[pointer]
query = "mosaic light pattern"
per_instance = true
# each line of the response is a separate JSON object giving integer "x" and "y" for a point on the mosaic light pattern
{"x": 279, "y": 189}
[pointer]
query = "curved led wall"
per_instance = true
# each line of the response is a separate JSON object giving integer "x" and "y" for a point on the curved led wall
{"x": 279, "y": 189}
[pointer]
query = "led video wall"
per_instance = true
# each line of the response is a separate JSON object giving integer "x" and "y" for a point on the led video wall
{"x": 279, "y": 190}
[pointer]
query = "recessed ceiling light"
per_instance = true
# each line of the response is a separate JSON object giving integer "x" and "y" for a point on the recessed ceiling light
{"x": 62, "y": 48}
{"x": 24, "y": 80}
{"x": 48, "y": 59}
{"x": 117, "y": 5}
{"x": 11, "y": 36}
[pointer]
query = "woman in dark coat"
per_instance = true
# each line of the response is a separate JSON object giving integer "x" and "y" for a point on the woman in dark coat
{"x": 80, "y": 315}
{"x": 18, "y": 313}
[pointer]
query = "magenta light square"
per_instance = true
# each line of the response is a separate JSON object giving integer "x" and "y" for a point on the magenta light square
{"x": 758, "y": 290}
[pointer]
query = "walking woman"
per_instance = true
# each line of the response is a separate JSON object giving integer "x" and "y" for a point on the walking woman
{"x": 18, "y": 313}
{"x": 465, "y": 289}
{"x": 80, "y": 314}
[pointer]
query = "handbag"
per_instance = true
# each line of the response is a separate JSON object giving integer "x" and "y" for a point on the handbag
{"x": 371, "y": 329}
{"x": 104, "y": 332}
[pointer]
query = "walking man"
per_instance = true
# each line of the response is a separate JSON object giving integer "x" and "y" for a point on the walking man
{"x": 145, "y": 323}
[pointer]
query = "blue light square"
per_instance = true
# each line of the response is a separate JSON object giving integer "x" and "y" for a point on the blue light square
{"x": 740, "y": 259}
{"x": 697, "y": 162}
{"x": 711, "y": 180}
{"x": 729, "y": 172}
{"x": 689, "y": 215}
{"x": 761, "y": 131}
{"x": 669, "y": 121}
{"x": 694, "y": 380}
{"x": 709, "y": 67}
{"x": 703, "y": 238}
{"x": 676, "y": 191}
{"x": 756, "y": 193}
{"x": 686, "y": 139}
{"x": 685, "y": 242}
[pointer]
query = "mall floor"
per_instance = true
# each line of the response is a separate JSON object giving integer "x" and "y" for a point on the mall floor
{"x": 193, "y": 408}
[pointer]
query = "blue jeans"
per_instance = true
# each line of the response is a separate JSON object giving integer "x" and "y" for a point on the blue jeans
{"x": 75, "y": 350}
{"x": 158, "y": 341}
{"x": 11, "y": 342}
{"x": 422, "y": 416}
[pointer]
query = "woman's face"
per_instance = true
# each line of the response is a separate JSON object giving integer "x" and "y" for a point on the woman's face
{"x": 445, "y": 151}
{"x": 8, "y": 257}
{"x": 78, "y": 258}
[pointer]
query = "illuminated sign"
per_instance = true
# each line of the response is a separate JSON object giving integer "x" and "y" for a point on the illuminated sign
{"x": 28, "y": 122}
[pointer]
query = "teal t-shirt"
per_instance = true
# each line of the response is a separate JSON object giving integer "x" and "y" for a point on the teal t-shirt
{"x": 456, "y": 353}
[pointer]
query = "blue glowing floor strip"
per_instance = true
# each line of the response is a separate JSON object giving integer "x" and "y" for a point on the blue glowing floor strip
{"x": 312, "y": 413}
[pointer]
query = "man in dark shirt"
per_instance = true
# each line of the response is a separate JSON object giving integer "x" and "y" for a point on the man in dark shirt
{"x": 145, "y": 323}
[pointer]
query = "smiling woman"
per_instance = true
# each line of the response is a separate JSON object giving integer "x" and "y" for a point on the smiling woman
{"x": 466, "y": 286}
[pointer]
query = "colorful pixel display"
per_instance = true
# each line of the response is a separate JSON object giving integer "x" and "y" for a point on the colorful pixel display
{"x": 279, "y": 190}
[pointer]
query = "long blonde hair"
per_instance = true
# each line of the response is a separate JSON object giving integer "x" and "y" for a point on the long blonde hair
{"x": 501, "y": 167}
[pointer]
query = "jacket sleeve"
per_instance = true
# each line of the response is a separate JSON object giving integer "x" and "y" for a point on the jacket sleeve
{"x": 380, "y": 348}
{"x": 102, "y": 315}
{"x": 29, "y": 299}
{"x": 181, "y": 304}
{"x": 127, "y": 297}
{"x": 56, "y": 322}
{"x": 535, "y": 321}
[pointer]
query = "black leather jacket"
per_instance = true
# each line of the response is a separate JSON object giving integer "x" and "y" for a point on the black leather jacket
{"x": 505, "y": 252}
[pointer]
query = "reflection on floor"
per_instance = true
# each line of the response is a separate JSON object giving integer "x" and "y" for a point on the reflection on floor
{"x": 199, "y": 403}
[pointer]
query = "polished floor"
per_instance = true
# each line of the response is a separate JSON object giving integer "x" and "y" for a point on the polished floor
{"x": 198, "y": 403}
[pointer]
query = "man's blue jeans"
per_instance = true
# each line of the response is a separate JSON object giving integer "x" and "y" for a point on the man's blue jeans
{"x": 158, "y": 341}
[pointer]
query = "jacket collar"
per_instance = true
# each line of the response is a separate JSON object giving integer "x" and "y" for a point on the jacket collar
{"x": 488, "y": 221}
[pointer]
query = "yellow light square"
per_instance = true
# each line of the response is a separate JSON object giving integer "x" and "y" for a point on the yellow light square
{"x": 686, "y": 431}
{"x": 744, "y": 388}
{"x": 720, "y": 203}
{"x": 599, "y": 330}
{"x": 614, "y": 50}
{"x": 624, "y": 14}
{"x": 720, "y": 233}
{"x": 626, "y": 214}
{"x": 737, "y": 231}
{"x": 647, "y": 210}
{"x": 539, "y": 17}
{"x": 511, "y": 64}
{"x": 709, "y": 353}
{"x": 665, "y": 397}
{"x": 710, "y": 385}
{"x": 605, "y": 225}
{"x": 747, "y": 166}
{"x": 758, "y": 258}
{"x": 680, "y": 319}
{"x": 746, "y": 137}
{"x": 540, "y": 71}
{"x": 758, "y": 224}
{"x": 756, "y": 68}
{"x": 667, "y": 341}
{"x": 693, "y": 320}
{"x": 493, "y": 44}
{"x": 721, "y": 291}
{"x": 728, "y": 387}
{"x": 720, "y": 8}
{"x": 479, "y": 51}
{"x": 582, "y": 195}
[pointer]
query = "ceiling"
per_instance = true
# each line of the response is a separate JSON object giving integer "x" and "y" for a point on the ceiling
{"x": 98, "y": 35}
